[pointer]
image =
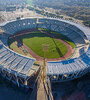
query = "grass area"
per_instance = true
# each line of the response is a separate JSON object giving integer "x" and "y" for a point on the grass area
{"x": 36, "y": 39}
{"x": 60, "y": 36}
{"x": 13, "y": 46}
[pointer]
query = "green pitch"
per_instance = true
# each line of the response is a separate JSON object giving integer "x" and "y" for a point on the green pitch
{"x": 36, "y": 39}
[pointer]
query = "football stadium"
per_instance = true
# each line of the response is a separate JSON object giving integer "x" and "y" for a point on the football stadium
{"x": 28, "y": 45}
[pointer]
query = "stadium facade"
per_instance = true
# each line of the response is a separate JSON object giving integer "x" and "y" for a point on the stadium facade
{"x": 22, "y": 71}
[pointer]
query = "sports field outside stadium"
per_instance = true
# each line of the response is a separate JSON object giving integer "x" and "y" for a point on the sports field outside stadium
{"x": 35, "y": 40}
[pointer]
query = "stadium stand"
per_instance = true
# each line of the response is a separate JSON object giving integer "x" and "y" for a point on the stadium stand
{"x": 20, "y": 69}
{"x": 13, "y": 65}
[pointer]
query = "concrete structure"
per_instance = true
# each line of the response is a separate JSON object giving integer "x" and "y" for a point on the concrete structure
{"x": 20, "y": 69}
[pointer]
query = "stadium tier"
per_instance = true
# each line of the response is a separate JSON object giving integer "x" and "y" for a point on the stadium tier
{"x": 20, "y": 69}
{"x": 15, "y": 67}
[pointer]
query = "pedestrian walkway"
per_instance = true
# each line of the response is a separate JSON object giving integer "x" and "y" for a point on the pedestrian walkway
{"x": 43, "y": 92}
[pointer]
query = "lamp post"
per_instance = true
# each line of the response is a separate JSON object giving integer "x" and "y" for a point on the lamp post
{"x": 45, "y": 49}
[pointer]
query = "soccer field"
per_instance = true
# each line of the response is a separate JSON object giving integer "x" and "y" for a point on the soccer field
{"x": 35, "y": 40}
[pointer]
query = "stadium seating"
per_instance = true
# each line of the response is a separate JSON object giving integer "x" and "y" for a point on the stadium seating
{"x": 13, "y": 65}
{"x": 73, "y": 68}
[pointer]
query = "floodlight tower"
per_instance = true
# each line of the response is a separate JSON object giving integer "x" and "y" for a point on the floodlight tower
{"x": 45, "y": 49}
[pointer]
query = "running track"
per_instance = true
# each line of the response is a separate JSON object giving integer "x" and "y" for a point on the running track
{"x": 34, "y": 55}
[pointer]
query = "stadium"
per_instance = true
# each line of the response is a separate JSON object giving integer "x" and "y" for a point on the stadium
{"x": 67, "y": 58}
